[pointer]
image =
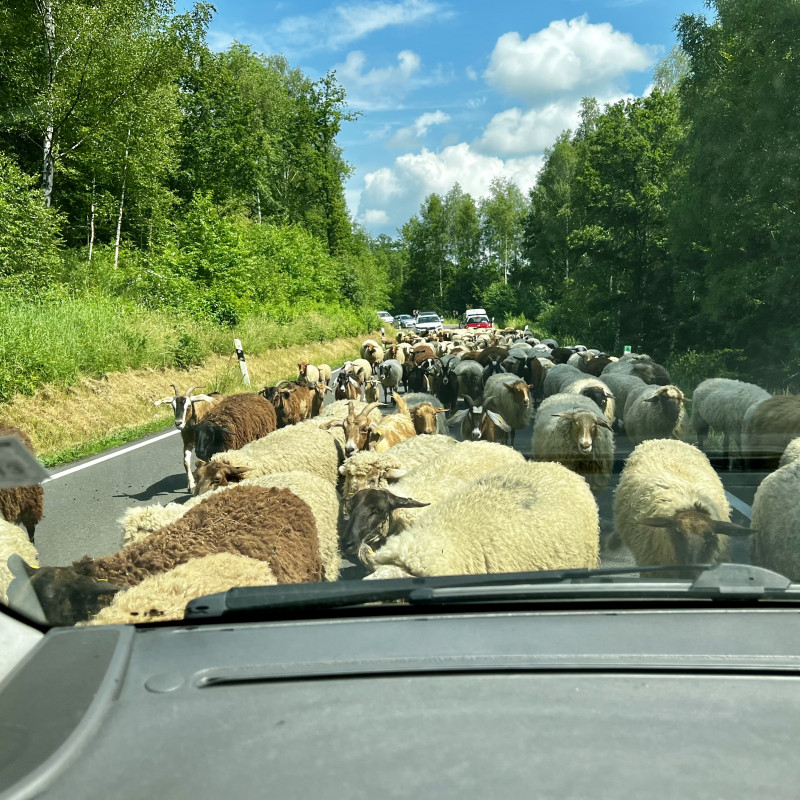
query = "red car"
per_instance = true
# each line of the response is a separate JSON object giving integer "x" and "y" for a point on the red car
{"x": 478, "y": 322}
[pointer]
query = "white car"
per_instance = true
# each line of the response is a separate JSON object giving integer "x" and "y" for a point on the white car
{"x": 427, "y": 322}
{"x": 386, "y": 317}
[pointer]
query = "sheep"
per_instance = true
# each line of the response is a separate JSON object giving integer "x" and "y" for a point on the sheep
{"x": 391, "y": 375}
{"x": 271, "y": 525}
{"x": 670, "y": 506}
{"x": 776, "y": 539}
{"x": 640, "y": 365}
{"x": 596, "y": 390}
{"x": 341, "y": 408}
{"x": 561, "y": 355}
{"x": 767, "y": 429}
{"x": 470, "y": 378}
{"x": 13, "y": 540}
{"x": 325, "y": 374}
{"x": 791, "y": 453}
{"x": 422, "y": 353}
{"x": 22, "y": 504}
{"x": 427, "y": 414}
{"x": 307, "y": 373}
{"x": 292, "y": 405}
{"x": 348, "y": 387}
{"x": 570, "y": 429}
{"x": 189, "y": 409}
{"x": 539, "y": 517}
{"x": 509, "y": 396}
{"x": 394, "y": 428}
{"x": 306, "y": 447}
{"x": 372, "y": 390}
{"x": 560, "y": 376}
{"x": 232, "y": 423}
{"x": 721, "y": 404}
{"x": 164, "y": 596}
{"x": 371, "y": 470}
{"x": 372, "y": 352}
{"x": 141, "y": 521}
{"x": 622, "y": 386}
{"x": 654, "y": 412}
{"x": 596, "y": 365}
{"x": 479, "y": 422}
{"x": 444, "y": 472}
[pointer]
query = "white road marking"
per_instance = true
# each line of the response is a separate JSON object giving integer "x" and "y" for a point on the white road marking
{"x": 122, "y": 452}
{"x": 739, "y": 505}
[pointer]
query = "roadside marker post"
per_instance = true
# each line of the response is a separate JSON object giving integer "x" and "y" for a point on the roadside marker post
{"x": 237, "y": 344}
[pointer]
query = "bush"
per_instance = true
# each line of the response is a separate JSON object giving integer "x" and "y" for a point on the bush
{"x": 689, "y": 369}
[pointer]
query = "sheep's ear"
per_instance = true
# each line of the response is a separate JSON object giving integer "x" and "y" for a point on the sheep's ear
{"x": 236, "y": 474}
{"x": 333, "y": 423}
{"x": 200, "y": 463}
{"x": 729, "y": 528}
{"x": 395, "y": 474}
{"x": 457, "y": 417}
{"x": 396, "y": 501}
{"x": 163, "y": 400}
{"x": 653, "y": 399}
{"x": 565, "y": 414}
{"x": 201, "y": 397}
{"x": 656, "y": 522}
{"x": 603, "y": 423}
{"x": 439, "y": 410}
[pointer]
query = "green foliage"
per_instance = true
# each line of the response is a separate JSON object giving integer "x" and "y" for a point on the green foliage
{"x": 691, "y": 368}
{"x": 500, "y": 300}
{"x": 29, "y": 232}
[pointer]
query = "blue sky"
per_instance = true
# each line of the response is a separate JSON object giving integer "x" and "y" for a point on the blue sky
{"x": 464, "y": 91}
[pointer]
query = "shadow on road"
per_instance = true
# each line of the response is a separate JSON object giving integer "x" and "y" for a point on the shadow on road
{"x": 166, "y": 486}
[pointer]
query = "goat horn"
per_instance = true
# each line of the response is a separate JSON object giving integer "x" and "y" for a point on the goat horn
{"x": 175, "y": 389}
{"x": 371, "y": 407}
{"x": 280, "y": 383}
{"x": 189, "y": 391}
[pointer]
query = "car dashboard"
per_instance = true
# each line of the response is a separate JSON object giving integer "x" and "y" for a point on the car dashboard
{"x": 391, "y": 702}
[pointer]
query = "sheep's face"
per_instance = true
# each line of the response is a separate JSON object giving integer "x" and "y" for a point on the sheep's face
{"x": 214, "y": 474}
{"x": 424, "y": 417}
{"x": 583, "y": 429}
{"x": 695, "y": 535}
{"x": 67, "y": 595}
{"x": 670, "y": 398}
{"x": 597, "y": 395}
{"x": 521, "y": 393}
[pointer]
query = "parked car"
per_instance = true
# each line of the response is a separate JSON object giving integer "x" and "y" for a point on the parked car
{"x": 386, "y": 317}
{"x": 428, "y": 321}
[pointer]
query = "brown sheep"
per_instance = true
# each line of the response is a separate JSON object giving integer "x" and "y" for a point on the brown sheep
{"x": 422, "y": 353}
{"x": 189, "y": 410}
{"x": 292, "y": 405}
{"x": 232, "y": 423}
{"x": 767, "y": 428}
{"x": 394, "y": 428}
{"x": 267, "y": 524}
{"x": 22, "y": 504}
{"x": 372, "y": 352}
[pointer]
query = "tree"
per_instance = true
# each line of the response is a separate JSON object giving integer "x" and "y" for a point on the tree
{"x": 502, "y": 215}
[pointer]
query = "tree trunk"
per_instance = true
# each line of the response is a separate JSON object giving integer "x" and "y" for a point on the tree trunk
{"x": 48, "y": 160}
{"x": 91, "y": 222}
{"x": 121, "y": 200}
{"x": 258, "y": 200}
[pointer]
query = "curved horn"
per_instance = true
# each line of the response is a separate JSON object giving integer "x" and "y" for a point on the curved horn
{"x": 190, "y": 390}
{"x": 175, "y": 389}
{"x": 369, "y": 408}
{"x": 280, "y": 383}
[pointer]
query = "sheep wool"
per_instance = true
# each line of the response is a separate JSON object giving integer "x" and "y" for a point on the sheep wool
{"x": 660, "y": 478}
{"x": 164, "y": 596}
{"x": 541, "y": 516}
{"x": 654, "y": 412}
{"x": 137, "y": 523}
{"x": 13, "y": 540}
{"x": 776, "y": 522}
{"x": 791, "y": 453}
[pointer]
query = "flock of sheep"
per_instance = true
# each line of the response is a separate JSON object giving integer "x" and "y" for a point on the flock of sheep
{"x": 285, "y": 485}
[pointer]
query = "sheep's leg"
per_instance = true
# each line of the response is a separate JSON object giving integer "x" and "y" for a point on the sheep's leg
{"x": 187, "y": 463}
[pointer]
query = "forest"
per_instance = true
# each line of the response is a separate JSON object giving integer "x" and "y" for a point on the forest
{"x": 154, "y": 192}
{"x": 668, "y": 223}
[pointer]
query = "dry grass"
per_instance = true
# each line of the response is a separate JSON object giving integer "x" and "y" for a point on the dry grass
{"x": 58, "y": 419}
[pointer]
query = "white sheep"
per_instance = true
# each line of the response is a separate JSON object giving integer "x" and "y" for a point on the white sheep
{"x": 13, "y": 540}
{"x": 325, "y": 373}
{"x": 721, "y": 404}
{"x": 654, "y": 412}
{"x": 164, "y": 596}
{"x": 571, "y": 429}
{"x": 791, "y": 453}
{"x": 559, "y": 376}
{"x": 538, "y": 517}
{"x": 141, "y": 521}
{"x": 776, "y": 522}
{"x": 509, "y": 396}
{"x": 670, "y": 506}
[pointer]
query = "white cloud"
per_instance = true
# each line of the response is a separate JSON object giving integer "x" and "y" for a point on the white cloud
{"x": 346, "y": 23}
{"x": 568, "y": 56}
{"x": 476, "y": 102}
{"x": 471, "y": 74}
{"x": 375, "y": 216}
{"x": 382, "y": 87}
{"x": 515, "y": 132}
{"x": 399, "y": 190}
{"x": 410, "y": 135}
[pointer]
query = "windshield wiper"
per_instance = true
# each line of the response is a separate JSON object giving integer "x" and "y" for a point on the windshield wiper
{"x": 704, "y": 581}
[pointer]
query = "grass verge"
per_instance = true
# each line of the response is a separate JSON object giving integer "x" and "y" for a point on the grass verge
{"x": 66, "y": 423}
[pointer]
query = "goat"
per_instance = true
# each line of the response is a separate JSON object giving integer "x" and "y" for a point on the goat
{"x": 187, "y": 415}
{"x": 347, "y": 386}
{"x": 292, "y": 405}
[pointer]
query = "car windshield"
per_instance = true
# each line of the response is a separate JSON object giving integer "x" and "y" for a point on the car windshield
{"x": 204, "y": 207}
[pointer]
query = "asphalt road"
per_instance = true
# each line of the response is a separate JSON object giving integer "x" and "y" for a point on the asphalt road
{"x": 84, "y": 500}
